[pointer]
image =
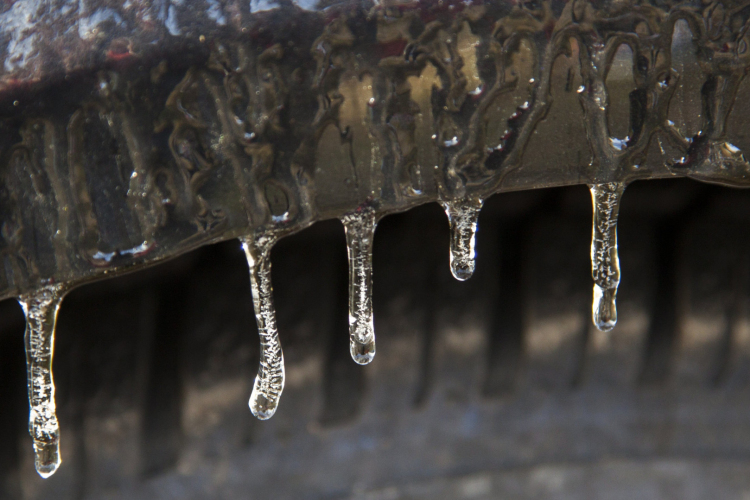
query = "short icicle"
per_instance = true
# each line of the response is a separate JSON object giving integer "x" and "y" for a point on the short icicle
{"x": 360, "y": 231}
{"x": 41, "y": 309}
{"x": 605, "y": 264}
{"x": 269, "y": 383}
{"x": 463, "y": 216}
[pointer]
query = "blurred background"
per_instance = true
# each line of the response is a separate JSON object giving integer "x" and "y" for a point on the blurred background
{"x": 498, "y": 387}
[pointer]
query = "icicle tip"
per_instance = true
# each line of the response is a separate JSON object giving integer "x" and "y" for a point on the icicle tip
{"x": 604, "y": 308}
{"x": 362, "y": 354}
{"x": 47, "y": 458}
{"x": 262, "y": 407}
{"x": 462, "y": 269}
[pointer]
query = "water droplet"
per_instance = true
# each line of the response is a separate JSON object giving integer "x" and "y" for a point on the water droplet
{"x": 451, "y": 142}
{"x": 269, "y": 383}
{"x": 619, "y": 144}
{"x": 605, "y": 264}
{"x": 477, "y": 91}
{"x": 360, "y": 231}
{"x": 40, "y": 308}
{"x": 463, "y": 216}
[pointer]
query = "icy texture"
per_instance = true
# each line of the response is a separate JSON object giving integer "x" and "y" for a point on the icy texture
{"x": 463, "y": 216}
{"x": 269, "y": 383}
{"x": 41, "y": 309}
{"x": 171, "y": 144}
{"x": 605, "y": 264}
{"x": 360, "y": 231}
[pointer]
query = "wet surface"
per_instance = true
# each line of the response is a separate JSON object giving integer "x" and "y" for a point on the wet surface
{"x": 137, "y": 131}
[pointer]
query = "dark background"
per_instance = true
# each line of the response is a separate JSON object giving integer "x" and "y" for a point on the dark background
{"x": 494, "y": 388}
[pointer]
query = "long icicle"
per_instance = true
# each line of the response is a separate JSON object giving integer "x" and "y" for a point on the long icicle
{"x": 463, "y": 216}
{"x": 269, "y": 383}
{"x": 360, "y": 231}
{"x": 605, "y": 264}
{"x": 40, "y": 308}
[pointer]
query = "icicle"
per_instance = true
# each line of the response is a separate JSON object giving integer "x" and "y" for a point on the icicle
{"x": 605, "y": 265}
{"x": 463, "y": 215}
{"x": 269, "y": 383}
{"x": 41, "y": 309}
{"x": 360, "y": 231}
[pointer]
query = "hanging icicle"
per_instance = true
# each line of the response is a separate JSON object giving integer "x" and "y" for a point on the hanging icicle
{"x": 269, "y": 383}
{"x": 463, "y": 216}
{"x": 360, "y": 231}
{"x": 40, "y": 308}
{"x": 605, "y": 264}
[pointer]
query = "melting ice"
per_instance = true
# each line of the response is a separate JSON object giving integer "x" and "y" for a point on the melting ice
{"x": 40, "y": 308}
{"x": 269, "y": 383}
{"x": 463, "y": 216}
{"x": 359, "y": 226}
{"x": 605, "y": 264}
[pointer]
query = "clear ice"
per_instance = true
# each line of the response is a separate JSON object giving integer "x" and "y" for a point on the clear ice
{"x": 269, "y": 383}
{"x": 393, "y": 96}
{"x": 463, "y": 216}
{"x": 605, "y": 264}
{"x": 360, "y": 231}
{"x": 40, "y": 308}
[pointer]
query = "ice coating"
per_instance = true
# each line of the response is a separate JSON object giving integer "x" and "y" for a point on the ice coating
{"x": 153, "y": 159}
{"x": 444, "y": 101}
{"x": 360, "y": 231}
{"x": 463, "y": 216}
{"x": 269, "y": 383}
{"x": 605, "y": 264}
{"x": 41, "y": 308}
